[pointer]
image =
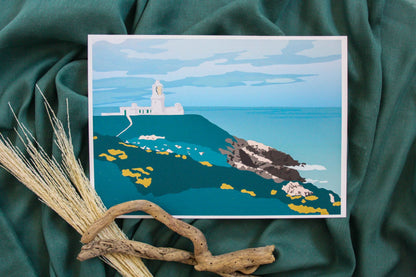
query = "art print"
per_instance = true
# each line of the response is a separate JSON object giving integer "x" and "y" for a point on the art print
{"x": 220, "y": 127}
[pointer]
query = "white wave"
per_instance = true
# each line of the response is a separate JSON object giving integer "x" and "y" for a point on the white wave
{"x": 151, "y": 137}
{"x": 331, "y": 198}
{"x": 312, "y": 181}
{"x": 308, "y": 167}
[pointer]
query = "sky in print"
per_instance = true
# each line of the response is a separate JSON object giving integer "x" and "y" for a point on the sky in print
{"x": 217, "y": 71}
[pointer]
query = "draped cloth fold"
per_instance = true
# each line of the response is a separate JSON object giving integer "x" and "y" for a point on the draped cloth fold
{"x": 45, "y": 42}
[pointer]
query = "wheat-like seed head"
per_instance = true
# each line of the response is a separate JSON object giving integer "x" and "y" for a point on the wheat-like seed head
{"x": 64, "y": 187}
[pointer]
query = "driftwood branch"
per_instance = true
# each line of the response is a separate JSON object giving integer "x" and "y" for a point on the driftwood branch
{"x": 135, "y": 248}
{"x": 230, "y": 264}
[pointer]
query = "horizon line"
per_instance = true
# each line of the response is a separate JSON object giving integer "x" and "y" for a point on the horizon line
{"x": 241, "y": 107}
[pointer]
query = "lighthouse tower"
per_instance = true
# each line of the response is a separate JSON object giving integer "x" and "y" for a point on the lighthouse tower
{"x": 158, "y": 98}
{"x": 157, "y": 106}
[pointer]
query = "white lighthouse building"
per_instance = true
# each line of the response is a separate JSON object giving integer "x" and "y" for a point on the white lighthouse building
{"x": 158, "y": 98}
{"x": 157, "y": 105}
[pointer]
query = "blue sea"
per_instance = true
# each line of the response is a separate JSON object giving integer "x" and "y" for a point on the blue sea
{"x": 310, "y": 135}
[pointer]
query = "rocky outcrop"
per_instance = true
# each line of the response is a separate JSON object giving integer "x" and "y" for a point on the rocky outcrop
{"x": 264, "y": 160}
{"x": 296, "y": 189}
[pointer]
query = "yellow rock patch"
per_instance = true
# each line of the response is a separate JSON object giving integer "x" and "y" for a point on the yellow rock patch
{"x": 144, "y": 182}
{"x": 94, "y": 137}
{"x": 148, "y": 150}
{"x": 162, "y": 152}
{"x": 206, "y": 163}
{"x": 141, "y": 181}
{"x": 128, "y": 145}
{"x": 249, "y": 192}
{"x": 149, "y": 168}
{"x": 121, "y": 154}
{"x": 141, "y": 170}
{"x": 128, "y": 173}
{"x": 307, "y": 210}
{"x": 108, "y": 157}
{"x": 184, "y": 157}
{"x": 177, "y": 156}
{"x": 226, "y": 186}
{"x": 293, "y": 197}
{"x": 303, "y": 201}
{"x": 338, "y": 203}
{"x": 273, "y": 192}
{"x": 311, "y": 197}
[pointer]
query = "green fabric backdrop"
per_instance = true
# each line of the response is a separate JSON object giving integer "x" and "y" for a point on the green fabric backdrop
{"x": 45, "y": 42}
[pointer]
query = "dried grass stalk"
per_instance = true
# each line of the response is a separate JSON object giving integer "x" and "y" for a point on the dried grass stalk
{"x": 65, "y": 188}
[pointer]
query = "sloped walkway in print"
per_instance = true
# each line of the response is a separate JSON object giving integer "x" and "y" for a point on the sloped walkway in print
{"x": 131, "y": 123}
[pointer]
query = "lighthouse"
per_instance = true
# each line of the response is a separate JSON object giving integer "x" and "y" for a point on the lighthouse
{"x": 158, "y": 98}
{"x": 157, "y": 105}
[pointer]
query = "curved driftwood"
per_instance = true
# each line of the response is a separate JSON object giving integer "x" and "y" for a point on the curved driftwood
{"x": 135, "y": 248}
{"x": 236, "y": 263}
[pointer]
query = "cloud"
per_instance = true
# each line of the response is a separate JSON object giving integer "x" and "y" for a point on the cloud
{"x": 298, "y": 52}
{"x": 191, "y": 48}
{"x": 104, "y": 89}
{"x": 135, "y": 89}
{"x": 250, "y": 83}
{"x": 280, "y": 80}
{"x": 110, "y": 39}
{"x": 238, "y": 78}
{"x": 182, "y": 61}
{"x": 121, "y": 57}
{"x": 221, "y": 67}
{"x": 97, "y": 75}
{"x": 237, "y": 66}
{"x": 159, "y": 56}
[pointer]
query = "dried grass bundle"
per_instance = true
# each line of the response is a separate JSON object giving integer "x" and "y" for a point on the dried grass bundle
{"x": 64, "y": 188}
